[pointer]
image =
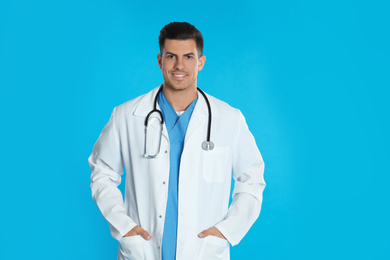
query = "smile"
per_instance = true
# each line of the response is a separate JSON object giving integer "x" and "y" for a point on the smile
{"x": 179, "y": 76}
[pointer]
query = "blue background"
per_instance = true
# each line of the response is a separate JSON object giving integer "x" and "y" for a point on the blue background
{"x": 311, "y": 78}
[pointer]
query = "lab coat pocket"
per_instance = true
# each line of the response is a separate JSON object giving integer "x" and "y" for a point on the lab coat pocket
{"x": 214, "y": 248}
{"x": 131, "y": 248}
{"x": 215, "y": 164}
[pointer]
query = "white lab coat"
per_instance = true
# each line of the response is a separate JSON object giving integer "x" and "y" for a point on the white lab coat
{"x": 204, "y": 181}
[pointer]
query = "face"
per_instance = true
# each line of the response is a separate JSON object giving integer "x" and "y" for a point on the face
{"x": 180, "y": 63}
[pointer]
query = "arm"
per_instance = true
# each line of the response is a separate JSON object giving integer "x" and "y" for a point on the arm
{"x": 107, "y": 167}
{"x": 248, "y": 169}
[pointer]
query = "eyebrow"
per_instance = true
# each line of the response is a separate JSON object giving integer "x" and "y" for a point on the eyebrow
{"x": 170, "y": 53}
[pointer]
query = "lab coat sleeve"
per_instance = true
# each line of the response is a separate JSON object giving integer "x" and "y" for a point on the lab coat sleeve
{"x": 107, "y": 167}
{"x": 248, "y": 170}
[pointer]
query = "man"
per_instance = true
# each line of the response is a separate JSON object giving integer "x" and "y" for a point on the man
{"x": 177, "y": 184}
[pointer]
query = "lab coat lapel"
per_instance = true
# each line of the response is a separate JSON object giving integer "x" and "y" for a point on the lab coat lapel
{"x": 146, "y": 105}
{"x": 198, "y": 118}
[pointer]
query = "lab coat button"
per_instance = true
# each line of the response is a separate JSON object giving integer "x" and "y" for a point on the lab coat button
{"x": 163, "y": 182}
{"x": 160, "y": 216}
{"x": 166, "y": 151}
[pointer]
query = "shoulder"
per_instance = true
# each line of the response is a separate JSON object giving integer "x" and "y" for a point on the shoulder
{"x": 221, "y": 108}
{"x": 130, "y": 107}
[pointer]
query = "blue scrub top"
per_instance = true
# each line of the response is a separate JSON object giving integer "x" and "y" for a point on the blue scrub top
{"x": 177, "y": 127}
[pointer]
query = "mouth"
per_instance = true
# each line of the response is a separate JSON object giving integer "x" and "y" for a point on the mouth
{"x": 179, "y": 75}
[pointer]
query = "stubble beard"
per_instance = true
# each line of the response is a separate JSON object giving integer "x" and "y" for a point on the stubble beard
{"x": 172, "y": 87}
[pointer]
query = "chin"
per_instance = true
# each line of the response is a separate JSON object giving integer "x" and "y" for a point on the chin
{"x": 178, "y": 87}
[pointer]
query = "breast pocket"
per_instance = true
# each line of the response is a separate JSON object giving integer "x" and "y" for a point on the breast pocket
{"x": 216, "y": 164}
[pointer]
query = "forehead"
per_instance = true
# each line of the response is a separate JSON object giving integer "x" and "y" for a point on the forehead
{"x": 180, "y": 46}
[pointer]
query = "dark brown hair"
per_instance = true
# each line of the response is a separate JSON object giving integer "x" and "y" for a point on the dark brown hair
{"x": 181, "y": 31}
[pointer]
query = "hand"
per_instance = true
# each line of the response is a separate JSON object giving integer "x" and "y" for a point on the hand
{"x": 137, "y": 230}
{"x": 213, "y": 231}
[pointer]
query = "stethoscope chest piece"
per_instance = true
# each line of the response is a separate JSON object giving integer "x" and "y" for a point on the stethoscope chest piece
{"x": 207, "y": 145}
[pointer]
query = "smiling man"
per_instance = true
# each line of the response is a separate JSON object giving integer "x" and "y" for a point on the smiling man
{"x": 180, "y": 148}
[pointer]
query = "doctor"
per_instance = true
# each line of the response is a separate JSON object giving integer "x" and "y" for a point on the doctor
{"x": 176, "y": 202}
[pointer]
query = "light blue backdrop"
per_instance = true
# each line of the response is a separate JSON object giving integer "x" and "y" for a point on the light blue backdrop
{"x": 311, "y": 77}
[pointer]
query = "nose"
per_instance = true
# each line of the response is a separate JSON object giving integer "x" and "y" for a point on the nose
{"x": 179, "y": 65}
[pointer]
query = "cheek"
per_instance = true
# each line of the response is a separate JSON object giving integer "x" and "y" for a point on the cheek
{"x": 166, "y": 65}
{"x": 194, "y": 66}
{"x": 165, "y": 69}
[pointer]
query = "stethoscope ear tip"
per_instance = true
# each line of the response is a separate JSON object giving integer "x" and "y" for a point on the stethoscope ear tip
{"x": 207, "y": 145}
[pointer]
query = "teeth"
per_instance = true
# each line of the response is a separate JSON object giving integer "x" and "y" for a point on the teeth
{"x": 179, "y": 75}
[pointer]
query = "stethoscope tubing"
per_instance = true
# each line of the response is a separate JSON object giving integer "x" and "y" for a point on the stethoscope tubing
{"x": 209, "y": 108}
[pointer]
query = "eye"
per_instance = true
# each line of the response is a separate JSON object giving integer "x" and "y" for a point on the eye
{"x": 189, "y": 56}
{"x": 170, "y": 56}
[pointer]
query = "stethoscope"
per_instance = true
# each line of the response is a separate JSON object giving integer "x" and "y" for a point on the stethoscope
{"x": 206, "y": 145}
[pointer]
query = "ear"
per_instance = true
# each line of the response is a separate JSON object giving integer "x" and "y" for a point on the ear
{"x": 202, "y": 60}
{"x": 159, "y": 60}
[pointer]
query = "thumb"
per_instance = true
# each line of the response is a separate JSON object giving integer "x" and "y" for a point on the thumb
{"x": 204, "y": 233}
{"x": 144, "y": 234}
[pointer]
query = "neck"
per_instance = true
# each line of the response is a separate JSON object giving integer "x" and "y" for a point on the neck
{"x": 180, "y": 99}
